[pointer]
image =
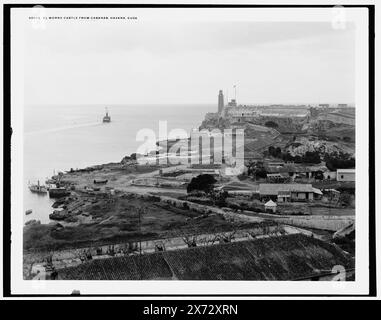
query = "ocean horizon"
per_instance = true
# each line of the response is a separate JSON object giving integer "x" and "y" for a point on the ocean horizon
{"x": 59, "y": 137}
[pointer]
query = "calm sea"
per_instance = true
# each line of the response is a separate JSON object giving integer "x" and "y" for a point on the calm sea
{"x": 57, "y": 138}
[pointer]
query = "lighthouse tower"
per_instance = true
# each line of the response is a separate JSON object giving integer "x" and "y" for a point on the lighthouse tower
{"x": 220, "y": 102}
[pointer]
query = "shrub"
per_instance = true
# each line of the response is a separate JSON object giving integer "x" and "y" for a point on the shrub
{"x": 339, "y": 161}
{"x": 271, "y": 124}
{"x": 311, "y": 157}
{"x": 203, "y": 182}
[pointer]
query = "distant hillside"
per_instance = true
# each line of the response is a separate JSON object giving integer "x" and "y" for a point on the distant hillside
{"x": 296, "y": 134}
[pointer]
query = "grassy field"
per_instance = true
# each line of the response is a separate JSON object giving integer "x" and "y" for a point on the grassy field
{"x": 117, "y": 221}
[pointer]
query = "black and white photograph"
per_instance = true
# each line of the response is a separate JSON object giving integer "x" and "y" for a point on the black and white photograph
{"x": 190, "y": 150}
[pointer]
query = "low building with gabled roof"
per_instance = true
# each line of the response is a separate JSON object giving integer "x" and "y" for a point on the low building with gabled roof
{"x": 270, "y": 205}
{"x": 287, "y": 191}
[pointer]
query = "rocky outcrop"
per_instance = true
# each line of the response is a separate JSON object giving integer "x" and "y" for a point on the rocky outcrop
{"x": 59, "y": 215}
{"x": 284, "y": 125}
{"x": 32, "y": 222}
{"x": 303, "y": 145}
{"x": 215, "y": 123}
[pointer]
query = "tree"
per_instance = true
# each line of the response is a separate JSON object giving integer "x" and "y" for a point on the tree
{"x": 257, "y": 170}
{"x": 339, "y": 160}
{"x": 203, "y": 182}
{"x": 287, "y": 157}
{"x": 191, "y": 237}
{"x": 311, "y": 157}
{"x": 275, "y": 152}
{"x": 298, "y": 159}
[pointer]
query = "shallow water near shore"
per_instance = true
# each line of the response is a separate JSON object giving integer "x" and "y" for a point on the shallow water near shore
{"x": 57, "y": 138}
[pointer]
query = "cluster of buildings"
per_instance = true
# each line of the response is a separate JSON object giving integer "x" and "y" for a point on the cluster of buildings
{"x": 241, "y": 113}
{"x": 232, "y": 109}
{"x": 287, "y": 181}
{"x": 277, "y": 170}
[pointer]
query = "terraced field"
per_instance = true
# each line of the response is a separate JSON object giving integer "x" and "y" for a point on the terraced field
{"x": 288, "y": 257}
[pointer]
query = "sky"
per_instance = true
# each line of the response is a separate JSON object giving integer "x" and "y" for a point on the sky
{"x": 171, "y": 62}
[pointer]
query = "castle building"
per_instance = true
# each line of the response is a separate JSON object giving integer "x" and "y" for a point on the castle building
{"x": 232, "y": 103}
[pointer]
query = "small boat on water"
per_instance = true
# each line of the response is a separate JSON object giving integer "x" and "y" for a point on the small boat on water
{"x": 106, "y": 118}
{"x": 29, "y": 211}
{"x": 37, "y": 188}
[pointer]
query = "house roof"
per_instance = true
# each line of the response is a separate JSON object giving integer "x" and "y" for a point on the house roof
{"x": 295, "y": 168}
{"x": 270, "y": 203}
{"x": 284, "y": 193}
{"x": 275, "y": 188}
{"x": 331, "y": 190}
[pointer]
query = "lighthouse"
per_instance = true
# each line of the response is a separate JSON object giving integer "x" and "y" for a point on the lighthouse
{"x": 220, "y": 102}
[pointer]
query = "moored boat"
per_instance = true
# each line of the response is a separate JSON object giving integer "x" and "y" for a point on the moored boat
{"x": 37, "y": 188}
{"x": 29, "y": 211}
{"x": 58, "y": 192}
